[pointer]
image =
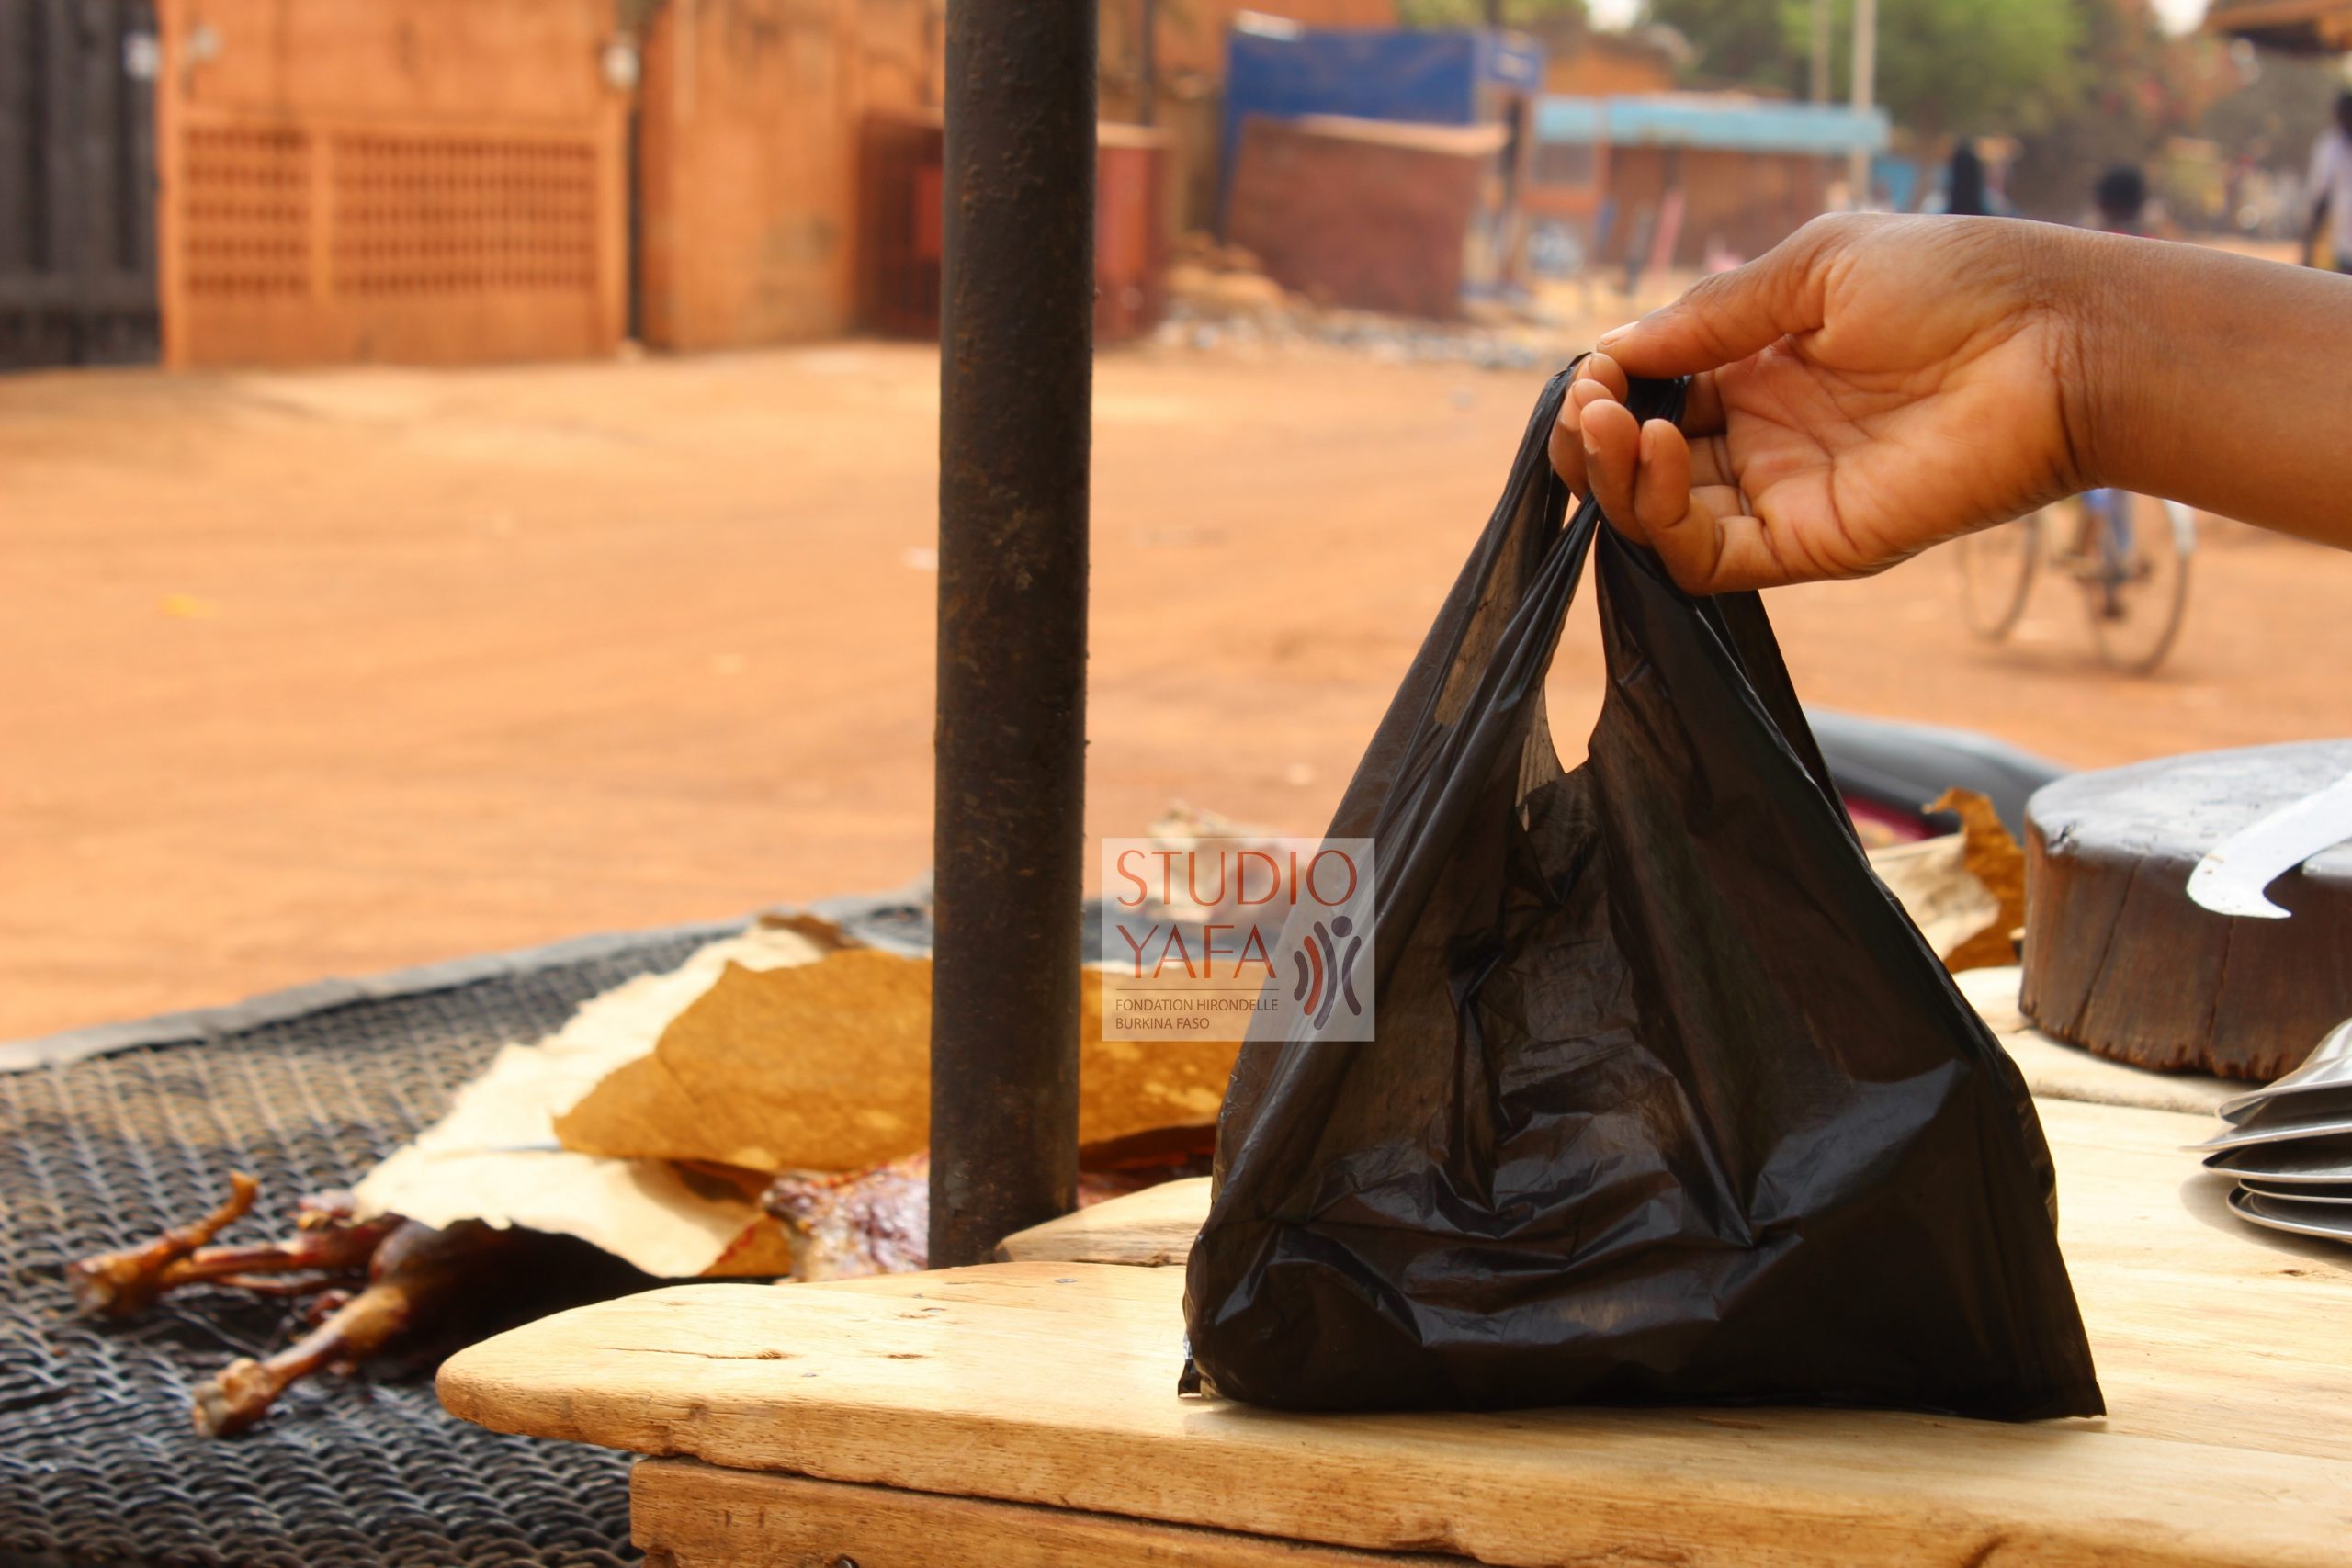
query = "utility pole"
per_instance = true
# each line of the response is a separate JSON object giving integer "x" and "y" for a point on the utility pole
{"x": 1016, "y": 342}
{"x": 1820, "y": 51}
{"x": 1148, "y": 65}
{"x": 1865, "y": 92}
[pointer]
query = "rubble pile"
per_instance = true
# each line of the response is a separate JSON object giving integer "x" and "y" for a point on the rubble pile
{"x": 1219, "y": 299}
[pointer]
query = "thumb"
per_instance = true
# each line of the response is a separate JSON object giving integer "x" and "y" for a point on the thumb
{"x": 1734, "y": 314}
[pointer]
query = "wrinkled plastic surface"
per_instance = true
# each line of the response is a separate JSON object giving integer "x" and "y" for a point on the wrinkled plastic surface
{"x": 1668, "y": 1101}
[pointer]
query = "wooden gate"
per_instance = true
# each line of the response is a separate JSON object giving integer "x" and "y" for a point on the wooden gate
{"x": 77, "y": 182}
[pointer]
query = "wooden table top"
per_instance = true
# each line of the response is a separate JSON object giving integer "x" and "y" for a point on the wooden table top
{"x": 2225, "y": 1353}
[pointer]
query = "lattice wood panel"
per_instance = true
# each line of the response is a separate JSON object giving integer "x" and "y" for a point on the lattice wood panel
{"x": 426, "y": 215}
{"x": 435, "y": 182}
{"x": 306, "y": 241}
{"x": 247, "y": 211}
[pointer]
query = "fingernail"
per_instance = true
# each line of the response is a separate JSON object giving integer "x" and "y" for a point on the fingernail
{"x": 1613, "y": 333}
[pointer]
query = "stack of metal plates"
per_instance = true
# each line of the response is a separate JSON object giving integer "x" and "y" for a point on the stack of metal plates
{"x": 2290, "y": 1146}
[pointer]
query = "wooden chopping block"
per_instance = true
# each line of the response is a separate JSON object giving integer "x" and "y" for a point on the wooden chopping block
{"x": 2119, "y": 961}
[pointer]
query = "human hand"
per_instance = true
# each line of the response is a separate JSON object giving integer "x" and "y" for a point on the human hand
{"x": 1869, "y": 388}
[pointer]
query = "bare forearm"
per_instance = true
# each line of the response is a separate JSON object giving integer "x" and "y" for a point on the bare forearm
{"x": 2217, "y": 381}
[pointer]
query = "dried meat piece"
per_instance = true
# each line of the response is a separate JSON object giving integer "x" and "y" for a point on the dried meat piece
{"x": 826, "y": 1067}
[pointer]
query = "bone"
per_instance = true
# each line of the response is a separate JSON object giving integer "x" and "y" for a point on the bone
{"x": 122, "y": 1284}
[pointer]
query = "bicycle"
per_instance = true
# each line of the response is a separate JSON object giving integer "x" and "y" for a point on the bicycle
{"x": 2129, "y": 555}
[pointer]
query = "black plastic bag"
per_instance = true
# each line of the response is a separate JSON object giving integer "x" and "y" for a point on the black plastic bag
{"x": 1669, "y": 1101}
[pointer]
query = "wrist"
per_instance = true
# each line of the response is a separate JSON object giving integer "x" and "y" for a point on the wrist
{"x": 2101, "y": 361}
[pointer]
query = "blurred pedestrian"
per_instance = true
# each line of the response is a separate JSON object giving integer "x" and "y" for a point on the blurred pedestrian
{"x": 2119, "y": 201}
{"x": 1964, "y": 182}
{"x": 2331, "y": 190}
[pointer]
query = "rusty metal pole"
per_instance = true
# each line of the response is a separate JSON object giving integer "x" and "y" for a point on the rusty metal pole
{"x": 1016, "y": 380}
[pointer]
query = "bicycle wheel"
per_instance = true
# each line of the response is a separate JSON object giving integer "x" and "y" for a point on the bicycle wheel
{"x": 2136, "y": 605}
{"x": 1996, "y": 574}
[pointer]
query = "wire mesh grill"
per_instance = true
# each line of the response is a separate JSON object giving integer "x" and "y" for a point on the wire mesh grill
{"x": 98, "y": 1462}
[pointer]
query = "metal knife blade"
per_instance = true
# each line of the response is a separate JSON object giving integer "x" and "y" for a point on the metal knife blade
{"x": 2231, "y": 878}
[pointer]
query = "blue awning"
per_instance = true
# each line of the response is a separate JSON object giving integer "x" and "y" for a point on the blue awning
{"x": 1722, "y": 122}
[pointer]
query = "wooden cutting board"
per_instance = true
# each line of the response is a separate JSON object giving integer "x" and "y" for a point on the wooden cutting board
{"x": 1049, "y": 1386}
{"x": 2119, "y": 960}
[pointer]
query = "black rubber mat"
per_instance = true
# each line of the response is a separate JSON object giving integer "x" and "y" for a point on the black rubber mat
{"x": 108, "y": 1135}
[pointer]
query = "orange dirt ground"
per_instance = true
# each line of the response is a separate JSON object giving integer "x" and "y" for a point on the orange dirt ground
{"x": 335, "y": 673}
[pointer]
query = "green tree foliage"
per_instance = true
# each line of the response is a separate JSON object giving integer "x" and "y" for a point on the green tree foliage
{"x": 2186, "y": 110}
{"x": 2273, "y": 111}
{"x": 1944, "y": 66}
{"x": 1739, "y": 43}
{"x": 1475, "y": 13}
{"x": 2133, "y": 86}
{"x": 2081, "y": 86}
{"x": 1970, "y": 66}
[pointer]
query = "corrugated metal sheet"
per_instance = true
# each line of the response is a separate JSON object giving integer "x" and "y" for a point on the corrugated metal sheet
{"x": 1718, "y": 123}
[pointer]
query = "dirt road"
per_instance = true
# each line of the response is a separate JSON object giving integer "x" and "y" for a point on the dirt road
{"x": 334, "y": 672}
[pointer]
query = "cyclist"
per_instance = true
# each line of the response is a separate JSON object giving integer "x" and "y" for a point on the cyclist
{"x": 2331, "y": 189}
{"x": 1876, "y": 385}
